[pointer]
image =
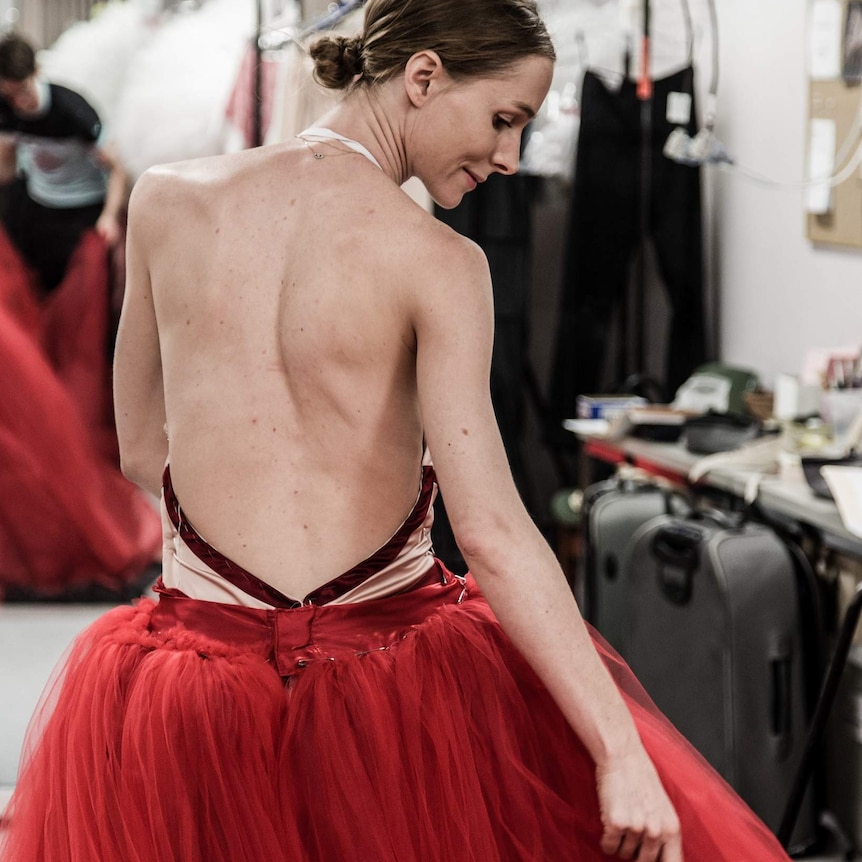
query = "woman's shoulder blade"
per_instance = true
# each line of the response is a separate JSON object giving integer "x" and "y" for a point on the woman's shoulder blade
{"x": 166, "y": 193}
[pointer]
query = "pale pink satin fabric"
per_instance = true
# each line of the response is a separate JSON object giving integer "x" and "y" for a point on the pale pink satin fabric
{"x": 183, "y": 570}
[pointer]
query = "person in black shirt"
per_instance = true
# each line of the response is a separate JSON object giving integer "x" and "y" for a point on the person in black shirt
{"x": 65, "y": 178}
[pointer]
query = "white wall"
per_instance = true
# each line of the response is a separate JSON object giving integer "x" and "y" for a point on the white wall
{"x": 779, "y": 293}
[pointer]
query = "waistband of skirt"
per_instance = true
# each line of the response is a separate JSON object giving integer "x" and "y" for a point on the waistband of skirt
{"x": 294, "y": 637}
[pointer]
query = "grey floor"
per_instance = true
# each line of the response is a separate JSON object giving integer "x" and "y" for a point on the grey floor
{"x": 33, "y": 638}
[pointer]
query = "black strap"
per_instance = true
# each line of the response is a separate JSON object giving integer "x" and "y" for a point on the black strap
{"x": 821, "y": 716}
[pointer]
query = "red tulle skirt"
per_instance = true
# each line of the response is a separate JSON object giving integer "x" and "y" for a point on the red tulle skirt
{"x": 406, "y": 729}
{"x": 68, "y": 517}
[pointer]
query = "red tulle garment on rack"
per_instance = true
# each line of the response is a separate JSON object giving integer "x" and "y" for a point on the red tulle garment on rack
{"x": 68, "y": 518}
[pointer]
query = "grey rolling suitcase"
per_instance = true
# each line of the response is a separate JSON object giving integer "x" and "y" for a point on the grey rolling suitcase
{"x": 717, "y": 639}
{"x": 612, "y": 512}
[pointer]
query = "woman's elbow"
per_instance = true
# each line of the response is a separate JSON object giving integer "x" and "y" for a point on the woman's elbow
{"x": 484, "y": 546}
{"x": 499, "y": 543}
{"x": 142, "y": 468}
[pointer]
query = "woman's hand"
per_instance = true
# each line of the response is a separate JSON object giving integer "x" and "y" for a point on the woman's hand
{"x": 638, "y": 817}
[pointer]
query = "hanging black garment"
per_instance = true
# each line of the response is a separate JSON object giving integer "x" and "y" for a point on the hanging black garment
{"x": 605, "y": 234}
{"x": 496, "y": 216}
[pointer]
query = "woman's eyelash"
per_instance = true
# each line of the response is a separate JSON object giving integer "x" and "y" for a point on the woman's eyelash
{"x": 501, "y": 121}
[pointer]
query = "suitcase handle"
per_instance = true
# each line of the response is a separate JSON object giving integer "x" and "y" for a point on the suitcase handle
{"x": 675, "y": 503}
{"x": 722, "y": 519}
{"x": 781, "y": 690}
{"x": 677, "y": 546}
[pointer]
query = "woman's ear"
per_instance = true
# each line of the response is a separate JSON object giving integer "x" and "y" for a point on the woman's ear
{"x": 424, "y": 71}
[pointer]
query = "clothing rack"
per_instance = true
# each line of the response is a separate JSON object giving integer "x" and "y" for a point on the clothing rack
{"x": 328, "y": 21}
{"x": 275, "y": 41}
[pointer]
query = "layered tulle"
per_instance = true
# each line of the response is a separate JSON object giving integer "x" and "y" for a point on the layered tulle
{"x": 68, "y": 518}
{"x": 414, "y": 741}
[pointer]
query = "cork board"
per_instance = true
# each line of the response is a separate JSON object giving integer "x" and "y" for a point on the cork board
{"x": 840, "y": 102}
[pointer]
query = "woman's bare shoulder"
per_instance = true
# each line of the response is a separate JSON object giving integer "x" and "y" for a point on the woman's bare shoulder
{"x": 432, "y": 246}
{"x": 195, "y": 187}
{"x": 163, "y": 187}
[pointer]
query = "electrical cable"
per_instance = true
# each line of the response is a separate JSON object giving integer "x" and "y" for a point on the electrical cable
{"x": 689, "y": 30}
{"x": 713, "y": 84}
{"x": 832, "y": 181}
{"x": 841, "y": 174}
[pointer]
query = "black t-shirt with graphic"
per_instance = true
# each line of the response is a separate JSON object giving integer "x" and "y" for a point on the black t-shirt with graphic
{"x": 56, "y": 150}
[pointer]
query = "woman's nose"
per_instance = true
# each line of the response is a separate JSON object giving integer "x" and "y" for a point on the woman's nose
{"x": 508, "y": 155}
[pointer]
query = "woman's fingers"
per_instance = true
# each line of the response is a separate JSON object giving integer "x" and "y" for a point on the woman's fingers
{"x": 651, "y": 849}
{"x": 612, "y": 839}
{"x": 643, "y": 844}
{"x": 672, "y": 851}
{"x": 631, "y": 845}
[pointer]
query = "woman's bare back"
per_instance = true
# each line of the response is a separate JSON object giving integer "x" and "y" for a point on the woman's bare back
{"x": 288, "y": 360}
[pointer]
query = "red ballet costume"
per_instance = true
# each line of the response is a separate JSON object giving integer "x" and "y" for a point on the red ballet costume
{"x": 340, "y": 728}
{"x": 68, "y": 517}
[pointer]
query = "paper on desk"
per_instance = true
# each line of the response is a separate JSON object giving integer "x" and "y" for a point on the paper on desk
{"x": 587, "y": 427}
{"x": 845, "y": 483}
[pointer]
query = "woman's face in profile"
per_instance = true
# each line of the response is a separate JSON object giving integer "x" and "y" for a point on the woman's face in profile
{"x": 472, "y": 128}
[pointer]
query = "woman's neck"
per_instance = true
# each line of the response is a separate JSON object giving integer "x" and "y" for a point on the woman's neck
{"x": 371, "y": 118}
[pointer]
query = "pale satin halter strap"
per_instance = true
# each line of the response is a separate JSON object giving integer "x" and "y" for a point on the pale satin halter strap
{"x": 321, "y": 132}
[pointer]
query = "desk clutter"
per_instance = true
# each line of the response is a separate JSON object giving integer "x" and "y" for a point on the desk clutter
{"x": 722, "y": 415}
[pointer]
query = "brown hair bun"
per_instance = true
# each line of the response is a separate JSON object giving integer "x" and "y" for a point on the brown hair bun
{"x": 337, "y": 61}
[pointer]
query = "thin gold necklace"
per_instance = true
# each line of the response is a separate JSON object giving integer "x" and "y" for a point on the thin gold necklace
{"x": 330, "y": 142}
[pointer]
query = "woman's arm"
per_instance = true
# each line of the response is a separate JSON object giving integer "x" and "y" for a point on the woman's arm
{"x": 515, "y": 568}
{"x": 139, "y": 399}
